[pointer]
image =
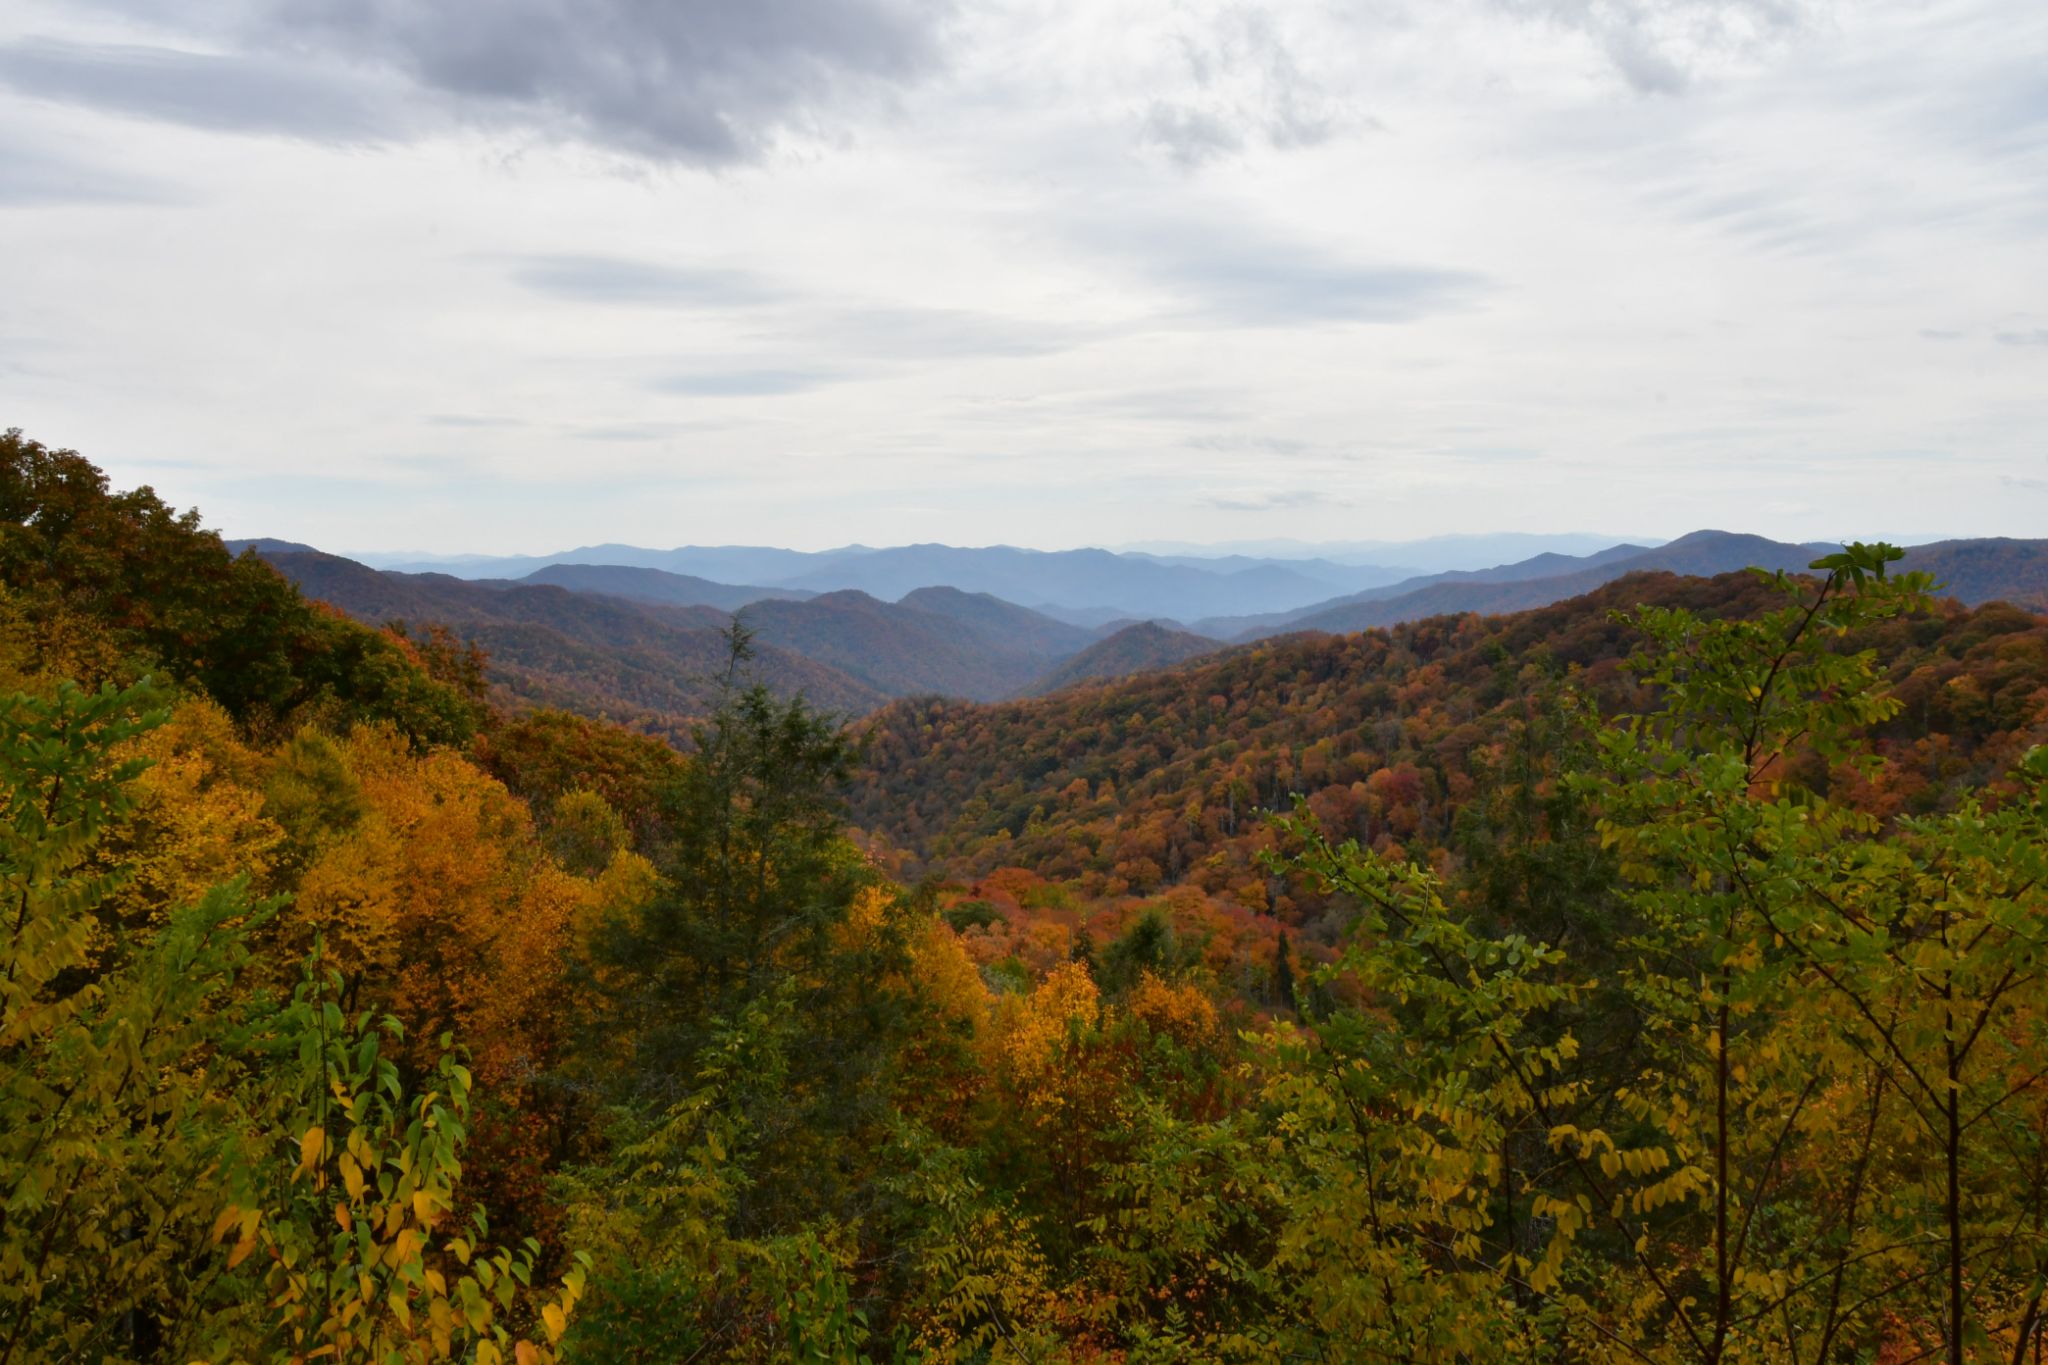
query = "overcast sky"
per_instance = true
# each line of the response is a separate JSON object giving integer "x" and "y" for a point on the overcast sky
{"x": 384, "y": 274}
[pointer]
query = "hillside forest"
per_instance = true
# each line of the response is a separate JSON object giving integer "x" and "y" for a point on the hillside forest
{"x": 1658, "y": 975}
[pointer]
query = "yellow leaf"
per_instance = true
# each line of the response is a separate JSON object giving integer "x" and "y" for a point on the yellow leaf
{"x": 556, "y": 1321}
{"x": 524, "y": 1354}
{"x": 241, "y": 1252}
{"x": 351, "y": 1176}
{"x": 309, "y": 1147}
{"x": 227, "y": 1219}
{"x": 423, "y": 1206}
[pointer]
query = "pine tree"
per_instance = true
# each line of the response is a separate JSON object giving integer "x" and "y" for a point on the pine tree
{"x": 1283, "y": 974}
{"x": 1083, "y": 951}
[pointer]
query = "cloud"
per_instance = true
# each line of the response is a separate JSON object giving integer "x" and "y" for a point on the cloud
{"x": 1222, "y": 268}
{"x": 1278, "y": 500}
{"x": 32, "y": 179}
{"x": 470, "y": 420}
{"x": 1281, "y": 291}
{"x": 872, "y": 331}
{"x": 706, "y": 82}
{"x": 922, "y": 333}
{"x": 199, "y": 90}
{"x": 1247, "y": 445}
{"x": 1663, "y": 47}
{"x": 2036, "y": 337}
{"x": 1247, "y": 283}
{"x": 1190, "y": 136}
{"x": 744, "y": 383}
{"x": 702, "y": 82}
{"x": 616, "y": 280}
{"x": 628, "y": 432}
{"x": 1240, "y": 82}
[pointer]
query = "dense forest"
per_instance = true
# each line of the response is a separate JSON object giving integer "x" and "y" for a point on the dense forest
{"x": 1659, "y": 976}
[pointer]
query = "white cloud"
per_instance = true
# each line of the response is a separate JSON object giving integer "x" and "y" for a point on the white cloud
{"x": 1036, "y": 272}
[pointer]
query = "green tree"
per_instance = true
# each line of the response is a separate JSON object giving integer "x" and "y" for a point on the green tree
{"x": 149, "y": 1107}
{"x": 770, "y": 939}
{"x": 1833, "y": 994}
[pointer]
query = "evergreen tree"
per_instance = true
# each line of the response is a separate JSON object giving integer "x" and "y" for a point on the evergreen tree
{"x": 1083, "y": 951}
{"x": 1283, "y": 974}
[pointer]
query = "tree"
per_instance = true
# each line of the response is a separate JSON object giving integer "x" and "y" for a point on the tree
{"x": 1283, "y": 974}
{"x": 769, "y": 938}
{"x": 147, "y": 1100}
{"x": 1819, "y": 973}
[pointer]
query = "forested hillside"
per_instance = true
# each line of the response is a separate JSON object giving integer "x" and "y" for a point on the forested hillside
{"x": 654, "y": 585}
{"x": 643, "y": 647}
{"x": 1656, "y": 977}
{"x": 1141, "y": 647}
{"x": 1973, "y": 571}
{"x": 1160, "y": 779}
{"x": 643, "y": 664}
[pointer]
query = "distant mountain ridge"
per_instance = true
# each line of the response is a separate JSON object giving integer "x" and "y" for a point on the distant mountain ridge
{"x": 1069, "y": 584}
{"x": 639, "y": 584}
{"x": 639, "y": 663}
{"x": 640, "y": 643}
{"x": 1972, "y": 571}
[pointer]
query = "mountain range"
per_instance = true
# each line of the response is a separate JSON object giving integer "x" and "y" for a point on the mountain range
{"x": 646, "y": 647}
{"x": 1074, "y": 585}
{"x": 1970, "y": 570}
{"x": 642, "y": 643}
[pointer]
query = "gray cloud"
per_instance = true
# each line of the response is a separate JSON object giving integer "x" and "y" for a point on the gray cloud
{"x": 1247, "y": 86}
{"x": 921, "y": 333}
{"x": 628, "y": 432}
{"x": 466, "y": 420}
{"x": 1190, "y": 136}
{"x": 761, "y": 383}
{"x": 871, "y": 331}
{"x": 1661, "y": 47}
{"x": 199, "y": 90}
{"x": 1494, "y": 454}
{"x": 1226, "y": 271}
{"x": 30, "y": 179}
{"x": 1275, "y": 501}
{"x": 1284, "y": 287}
{"x": 703, "y": 81}
{"x": 615, "y": 280}
{"x": 2037, "y": 337}
{"x": 1255, "y": 445}
{"x": 1171, "y": 405}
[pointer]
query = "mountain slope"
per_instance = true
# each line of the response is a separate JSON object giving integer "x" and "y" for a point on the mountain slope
{"x": 639, "y": 584}
{"x": 646, "y": 665}
{"x": 1972, "y": 570}
{"x": 552, "y": 642}
{"x": 1002, "y": 625}
{"x": 1549, "y": 564}
{"x": 1138, "y": 648}
{"x": 1994, "y": 569}
{"x": 895, "y": 648}
{"x": 1520, "y": 587}
{"x": 1134, "y": 585}
{"x": 1161, "y": 778}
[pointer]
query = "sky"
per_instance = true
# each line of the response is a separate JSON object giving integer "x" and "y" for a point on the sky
{"x": 392, "y": 275}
